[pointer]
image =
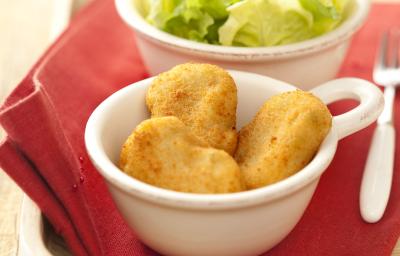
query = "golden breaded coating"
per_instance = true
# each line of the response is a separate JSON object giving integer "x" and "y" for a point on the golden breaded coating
{"x": 165, "y": 153}
{"x": 282, "y": 138}
{"x": 203, "y": 96}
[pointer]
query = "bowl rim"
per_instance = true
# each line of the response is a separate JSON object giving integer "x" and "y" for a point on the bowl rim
{"x": 131, "y": 16}
{"x": 132, "y": 187}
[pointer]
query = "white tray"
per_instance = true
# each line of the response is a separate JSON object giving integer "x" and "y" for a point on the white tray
{"x": 36, "y": 235}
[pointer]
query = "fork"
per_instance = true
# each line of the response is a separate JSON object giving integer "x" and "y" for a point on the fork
{"x": 377, "y": 178}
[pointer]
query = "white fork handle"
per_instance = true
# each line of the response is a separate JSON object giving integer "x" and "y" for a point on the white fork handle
{"x": 377, "y": 178}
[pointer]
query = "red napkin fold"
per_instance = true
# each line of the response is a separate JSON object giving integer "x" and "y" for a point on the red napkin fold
{"x": 45, "y": 119}
{"x": 44, "y": 151}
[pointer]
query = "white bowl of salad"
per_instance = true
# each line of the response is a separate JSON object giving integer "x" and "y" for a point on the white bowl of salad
{"x": 302, "y": 42}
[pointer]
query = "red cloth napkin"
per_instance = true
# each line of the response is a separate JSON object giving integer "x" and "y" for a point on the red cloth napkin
{"x": 45, "y": 119}
{"x": 44, "y": 151}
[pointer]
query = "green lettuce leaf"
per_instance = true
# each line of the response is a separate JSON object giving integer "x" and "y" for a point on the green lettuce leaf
{"x": 196, "y": 20}
{"x": 327, "y": 13}
{"x": 266, "y": 23}
{"x": 244, "y": 22}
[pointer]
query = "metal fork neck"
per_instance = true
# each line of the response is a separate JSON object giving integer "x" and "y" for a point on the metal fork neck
{"x": 387, "y": 114}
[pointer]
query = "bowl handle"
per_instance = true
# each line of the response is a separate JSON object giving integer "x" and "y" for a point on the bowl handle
{"x": 369, "y": 96}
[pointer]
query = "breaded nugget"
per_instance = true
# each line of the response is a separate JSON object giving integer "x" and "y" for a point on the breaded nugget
{"x": 282, "y": 138}
{"x": 165, "y": 153}
{"x": 203, "y": 96}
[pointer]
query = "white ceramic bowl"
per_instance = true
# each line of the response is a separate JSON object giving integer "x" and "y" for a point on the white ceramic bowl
{"x": 244, "y": 223}
{"x": 304, "y": 64}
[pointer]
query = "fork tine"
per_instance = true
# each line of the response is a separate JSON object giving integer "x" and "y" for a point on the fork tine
{"x": 394, "y": 48}
{"x": 380, "y": 60}
{"x": 381, "y": 57}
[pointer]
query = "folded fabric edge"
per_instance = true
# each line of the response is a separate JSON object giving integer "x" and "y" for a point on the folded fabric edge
{"x": 38, "y": 133}
{"x": 23, "y": 172}
{"x": 21, "y": 92}
{"x": 30, "y": 90}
